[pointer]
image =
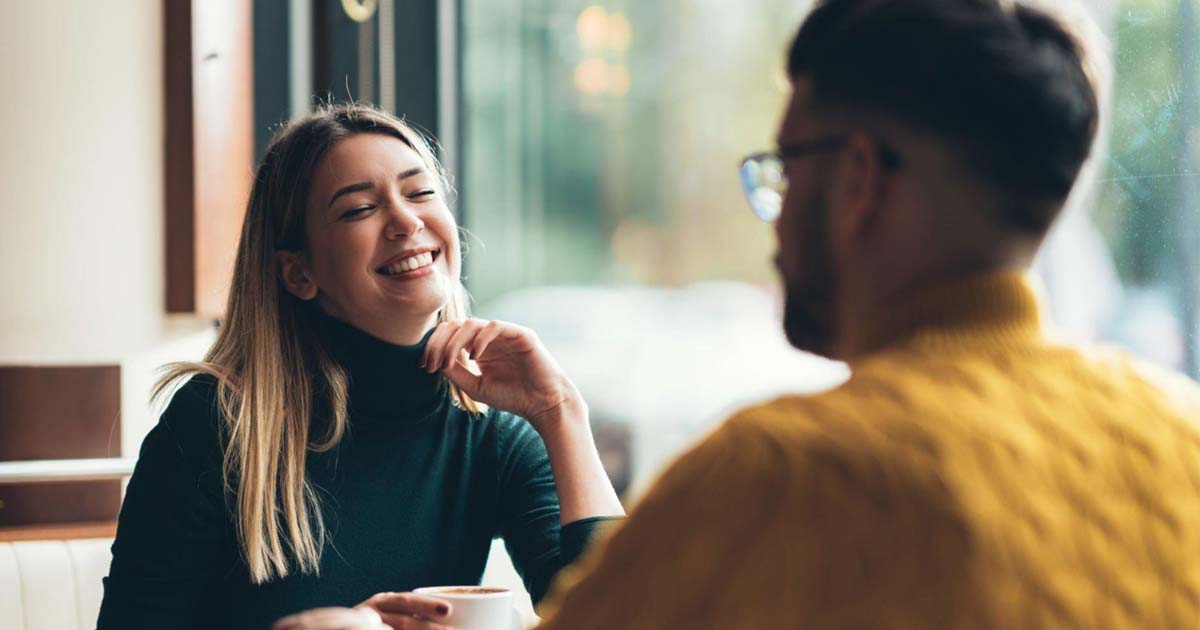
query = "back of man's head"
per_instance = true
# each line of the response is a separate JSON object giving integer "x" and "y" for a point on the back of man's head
{"x": 1007, "y": 86}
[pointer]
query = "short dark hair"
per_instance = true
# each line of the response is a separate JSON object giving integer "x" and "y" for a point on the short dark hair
{"x": 1003, "y": 83}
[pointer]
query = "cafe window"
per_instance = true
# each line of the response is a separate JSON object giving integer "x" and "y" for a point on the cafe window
{"x": 593, "y": 148}
{"x": 599, "y": 140}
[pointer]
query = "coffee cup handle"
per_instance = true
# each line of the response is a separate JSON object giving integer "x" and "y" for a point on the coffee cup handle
{"x": 518, "y": 620}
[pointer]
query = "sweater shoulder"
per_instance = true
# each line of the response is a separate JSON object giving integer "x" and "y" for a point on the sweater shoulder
{"x": 1114, "y": 371}
{"x": 193, "y": 418}
{"x": 887, "y": 416}
{"x": 194, "y": 393}
{"x": 508, "y": 438}
{"x": 800, "y": 428}
{"x": 797, "y": 419}
{"x": 915, "y": 407}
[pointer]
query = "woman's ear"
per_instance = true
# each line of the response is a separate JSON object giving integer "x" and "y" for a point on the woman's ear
{"x": 293, "y": 271}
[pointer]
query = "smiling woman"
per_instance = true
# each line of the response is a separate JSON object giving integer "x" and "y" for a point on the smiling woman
{"x": 349, "y": 406}
{"x": 368, "y": 186}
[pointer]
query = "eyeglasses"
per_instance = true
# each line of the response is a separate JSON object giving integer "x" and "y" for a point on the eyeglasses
{"x": 764, "y": 181}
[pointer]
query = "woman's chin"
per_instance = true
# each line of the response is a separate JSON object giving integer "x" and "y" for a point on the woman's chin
{"x": 412, "y": 283}
{"x": 425, "y": 302}
{"x": 421, "y": 295}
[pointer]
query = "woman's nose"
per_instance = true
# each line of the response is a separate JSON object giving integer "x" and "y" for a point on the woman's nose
{"x": 402, "y": 223}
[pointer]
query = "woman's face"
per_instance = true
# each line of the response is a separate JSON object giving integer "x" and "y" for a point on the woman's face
{"x": 382, "y": 244}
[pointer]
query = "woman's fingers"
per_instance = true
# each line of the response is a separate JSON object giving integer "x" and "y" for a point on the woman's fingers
{"x": 399, "y": 621}
{"x": 454, "y": 346}
{"x": 317, "y": 619}
{"x": 331, "y": 619}
{"x": 464, "y": 378}
{"x": 435, "y": 347}
{"x": 409, "y": 604}
{"x": 473, "y": 335}
{"x": 491, "y": 330}
{"x": 408, "y": 611}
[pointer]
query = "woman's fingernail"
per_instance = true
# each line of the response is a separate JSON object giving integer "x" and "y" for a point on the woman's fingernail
{"x": 443, "y": 609}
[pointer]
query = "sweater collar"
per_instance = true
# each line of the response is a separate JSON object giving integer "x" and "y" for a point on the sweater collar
{"x": 996, "y": 308}
{"x": 385, "y": 380}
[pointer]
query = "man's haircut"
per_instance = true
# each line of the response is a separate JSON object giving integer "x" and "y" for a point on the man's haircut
{"x": 1006, "y": 85}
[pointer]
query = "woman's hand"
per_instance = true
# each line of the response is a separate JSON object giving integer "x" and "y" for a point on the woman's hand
{"x": 398, "y": 611}
{"x": 516, "y": 372}
{"x": 407, "y": 611}
{"x": 331, "y": 619}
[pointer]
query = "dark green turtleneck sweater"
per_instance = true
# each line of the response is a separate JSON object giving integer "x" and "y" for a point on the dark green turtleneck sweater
{"x": 412, "y": 496}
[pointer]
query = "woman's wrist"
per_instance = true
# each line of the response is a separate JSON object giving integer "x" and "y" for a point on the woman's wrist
{"x": 569, "y": 415}
{"x": 584, "y": 489}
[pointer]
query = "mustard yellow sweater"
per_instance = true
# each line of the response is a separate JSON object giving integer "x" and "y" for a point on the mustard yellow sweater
{"x": 971, "y": 474}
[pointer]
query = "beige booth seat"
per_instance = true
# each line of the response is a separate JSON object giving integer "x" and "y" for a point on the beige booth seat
{"x": 56, "y": 584}
{"x": 52, "y": 584}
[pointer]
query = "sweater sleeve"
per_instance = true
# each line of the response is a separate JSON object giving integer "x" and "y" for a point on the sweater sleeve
{"x": 780, "y": 528}
{"x": 661, "y": 568}
{"x": 540, "y": 546}
{"x": 173, "y": 542}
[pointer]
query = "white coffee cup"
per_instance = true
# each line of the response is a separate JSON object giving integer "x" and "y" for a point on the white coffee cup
{"x": 477, "y": 607}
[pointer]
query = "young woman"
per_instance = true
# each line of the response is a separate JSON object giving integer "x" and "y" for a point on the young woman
{"x": 351, "y": 432}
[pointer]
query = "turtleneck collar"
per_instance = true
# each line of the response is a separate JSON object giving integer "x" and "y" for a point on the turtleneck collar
{"x": 998, "y": 308}
{"x": 385, "y": 380}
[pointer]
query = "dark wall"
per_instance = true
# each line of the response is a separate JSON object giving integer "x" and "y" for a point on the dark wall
{"x": 272, "y": 70}
{"x": 416, "y": 63}
{"x": 335, "y": 61}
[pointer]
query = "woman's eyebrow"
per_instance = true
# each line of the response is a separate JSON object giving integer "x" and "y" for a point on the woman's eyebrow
{"x": 416, "y": 170}
{"x": 353, "y": 188}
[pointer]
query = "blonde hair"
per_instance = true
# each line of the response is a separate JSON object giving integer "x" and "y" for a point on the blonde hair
{"x": 274, "y": 378}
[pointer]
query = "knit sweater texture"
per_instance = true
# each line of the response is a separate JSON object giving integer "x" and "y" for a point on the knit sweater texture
{"x": 972, "y": 473}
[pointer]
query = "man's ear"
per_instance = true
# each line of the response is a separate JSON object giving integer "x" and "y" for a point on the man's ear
{"x": 858, "y": 187}
{"x": 294, "y": 273}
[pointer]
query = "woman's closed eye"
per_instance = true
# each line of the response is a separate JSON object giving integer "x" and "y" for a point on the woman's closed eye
{"x": 362, "y": 211}
{"x": 355, "y": 213}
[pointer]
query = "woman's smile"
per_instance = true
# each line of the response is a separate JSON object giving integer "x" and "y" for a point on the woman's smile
{"x": 410, "y": 265}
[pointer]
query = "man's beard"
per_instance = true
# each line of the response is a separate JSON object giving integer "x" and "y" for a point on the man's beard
{"x": 808, "y": 300}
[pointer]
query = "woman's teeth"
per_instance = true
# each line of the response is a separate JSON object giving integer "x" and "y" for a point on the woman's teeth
{"x": 409, "y": 264}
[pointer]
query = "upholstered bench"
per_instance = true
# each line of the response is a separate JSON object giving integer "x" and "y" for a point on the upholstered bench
{"x": 56, "y": 584}
{"x": 52, "y": 584}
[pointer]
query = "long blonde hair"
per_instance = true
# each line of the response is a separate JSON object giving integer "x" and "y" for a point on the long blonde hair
{"x": 274, "y": 378}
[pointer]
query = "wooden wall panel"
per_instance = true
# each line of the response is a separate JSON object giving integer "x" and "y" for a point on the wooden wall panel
{"x": 70, "y": 531}
{"x": 65, "y": 502}
{"x": 179, "y": 157}
{"x": 59, "y": 413}
{"x": 209, "y": 79}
